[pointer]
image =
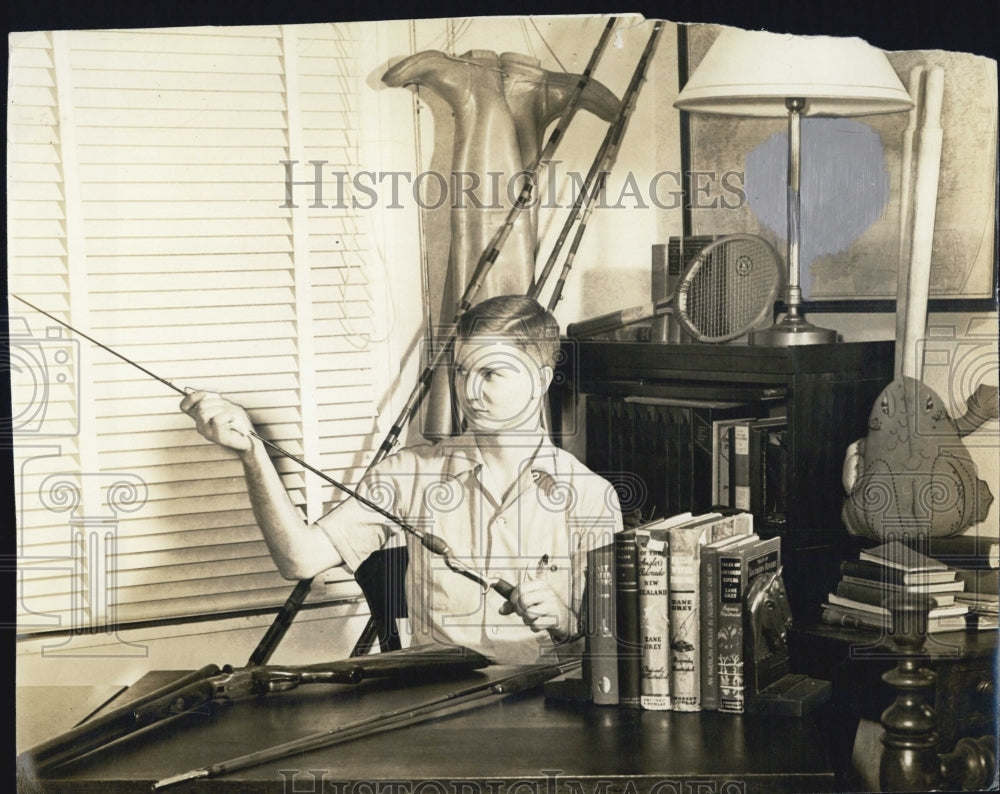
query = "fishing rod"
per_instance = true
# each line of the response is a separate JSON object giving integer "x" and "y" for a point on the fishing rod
{"x": 453, "y": 702}
{"x": 486, "y": 261}
{"x": 599, "y": 169}
{"x": 489, "y": 256}
{"x": 432, "y": 543}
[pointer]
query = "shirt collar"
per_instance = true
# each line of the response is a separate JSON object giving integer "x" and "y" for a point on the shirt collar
{"x": 463, "y": 455}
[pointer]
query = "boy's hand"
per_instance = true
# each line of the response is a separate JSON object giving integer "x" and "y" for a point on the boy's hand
{"x": 219, "y": 420}
{"x": 540, "y": 607}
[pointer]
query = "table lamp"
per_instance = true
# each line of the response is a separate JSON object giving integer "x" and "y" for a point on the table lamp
{"x": 756, "y": 73}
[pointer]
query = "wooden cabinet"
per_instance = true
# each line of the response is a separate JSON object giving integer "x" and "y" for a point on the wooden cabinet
{"x": 826, "y": 392}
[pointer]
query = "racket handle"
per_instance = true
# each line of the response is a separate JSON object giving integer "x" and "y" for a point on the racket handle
{"x": 615, "y": 320}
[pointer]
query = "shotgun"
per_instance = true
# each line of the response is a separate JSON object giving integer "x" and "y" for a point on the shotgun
{"x": 459, "y": 701}
{"x": 212, "y": 686}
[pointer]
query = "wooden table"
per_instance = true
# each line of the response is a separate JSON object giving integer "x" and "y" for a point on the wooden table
{"x": 521, "y": 744}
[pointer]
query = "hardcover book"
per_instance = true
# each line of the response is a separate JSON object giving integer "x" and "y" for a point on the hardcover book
{"x": 600, "y": 660}
{"x": 629, "y": 643}
{"x": 768, "y": 472}
{"x": 741, "y": 527}
{"x": 685, "y": 542}
{"x": 871, "y": 593}
{"x": 979, "y": 581}
{"x": 654, "y": 621}
{"x": 951, "y": 586}
{"x": 966, "y": 551}
{"x": 950, "y": 610}
{"x": 876, "y": 572}
{"x": 737, "y": 568}
{"x": 899, "y": 556}
{"x": 739, "y": 465}
{"x": 859, "y": 619}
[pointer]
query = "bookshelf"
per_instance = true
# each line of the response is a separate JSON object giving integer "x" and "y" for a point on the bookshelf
{"x": 824, "y": 391}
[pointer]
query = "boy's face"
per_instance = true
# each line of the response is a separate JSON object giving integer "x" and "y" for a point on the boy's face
{"x": 500, "y": 385}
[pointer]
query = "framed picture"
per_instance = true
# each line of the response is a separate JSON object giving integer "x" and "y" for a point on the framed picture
{"x": 853, "y": 188}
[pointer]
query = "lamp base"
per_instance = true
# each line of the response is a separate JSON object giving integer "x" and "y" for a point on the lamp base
{"x": 797, "y": 331}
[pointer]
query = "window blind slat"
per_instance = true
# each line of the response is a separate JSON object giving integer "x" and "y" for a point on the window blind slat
{"x": 194, "y": 269}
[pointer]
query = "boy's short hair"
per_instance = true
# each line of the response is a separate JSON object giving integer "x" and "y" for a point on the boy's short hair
{"x": 518, "y": 318}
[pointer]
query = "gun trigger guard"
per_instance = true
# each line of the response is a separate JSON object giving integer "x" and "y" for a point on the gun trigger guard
{"x": 281, "y": 680}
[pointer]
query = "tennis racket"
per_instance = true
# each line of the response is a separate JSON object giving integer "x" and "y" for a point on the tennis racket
{"x": 728, "y": 289}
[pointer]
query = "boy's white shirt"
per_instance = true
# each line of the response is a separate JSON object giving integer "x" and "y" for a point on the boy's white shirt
{"x": 557, "y": 508}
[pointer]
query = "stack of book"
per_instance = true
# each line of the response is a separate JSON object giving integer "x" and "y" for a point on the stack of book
{"x": 976, "y": 561}
{"x": 665, "y": 612}
{"x": 890, "y": 570}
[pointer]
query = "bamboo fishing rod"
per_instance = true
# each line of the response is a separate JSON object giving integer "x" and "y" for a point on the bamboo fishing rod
{"x": 486, "y": 261}
{"x": 489, "y": 256}
{"x": 597, "y": 175}
{"x": 432, "y": 543}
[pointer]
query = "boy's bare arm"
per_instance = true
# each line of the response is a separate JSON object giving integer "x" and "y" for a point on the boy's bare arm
{"x": 300, "y": 551}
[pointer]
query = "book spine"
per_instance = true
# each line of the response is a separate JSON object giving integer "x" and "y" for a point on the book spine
{"x": 627, "y": 615}
{"x": 736, "y": 571}
{"x": 775, "y": 499}
{"x": 739, "y": 462}
{"x": 729, "y": 636}
{"x": 685, "y": 636}
{"x": 872, "y": 571}
{"x": 721, "y": 492}
{"x": 864, "y": 593}
{"x": 601, "y": 657}
{"x": 757, "y": 483}
{"x": 708, "y": 605}
{"x": 654, "y": 625}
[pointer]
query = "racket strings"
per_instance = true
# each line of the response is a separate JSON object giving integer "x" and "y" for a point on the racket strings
{"x": 733, "y": 289}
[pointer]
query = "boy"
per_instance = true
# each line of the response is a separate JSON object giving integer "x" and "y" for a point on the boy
{"x": 508, "y": 502}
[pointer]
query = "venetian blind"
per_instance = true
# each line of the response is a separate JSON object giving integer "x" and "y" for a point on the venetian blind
{"x": 146, "y": 183}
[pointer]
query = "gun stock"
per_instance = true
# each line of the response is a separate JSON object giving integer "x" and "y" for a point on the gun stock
{"x": 101, "y": 730}
{"x": 212, "y": 685}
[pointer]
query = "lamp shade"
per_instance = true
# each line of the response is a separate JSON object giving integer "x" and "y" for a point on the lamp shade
{"x": 753, "y": 72}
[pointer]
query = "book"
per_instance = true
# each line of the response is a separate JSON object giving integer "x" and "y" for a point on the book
{"x": 768, "y": 472}
{"x": 739, "y": 465}
{"x": 951, "y": 586}
{"x": 875, "y": 572}
{"x": 654, "y": 620}
{"x": 979, "y": 581}
{"x": 841, "y": 616}
{"x": 741, "y": 526}
{"x": 897, "y": 555}
{"x": 629, "y": 645}
{"x": 722, "y": 462}
{"x": 706, "y": 419}
{"x": 737, "y": 568}
{"x": 685, "y": 542}
{"x": 974, "y": 552}
{"x": 979, "y": 603}
{"x": 600, "y": 658}
{"x": 950, "y": 610}
{"x": 872, "y": 593}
